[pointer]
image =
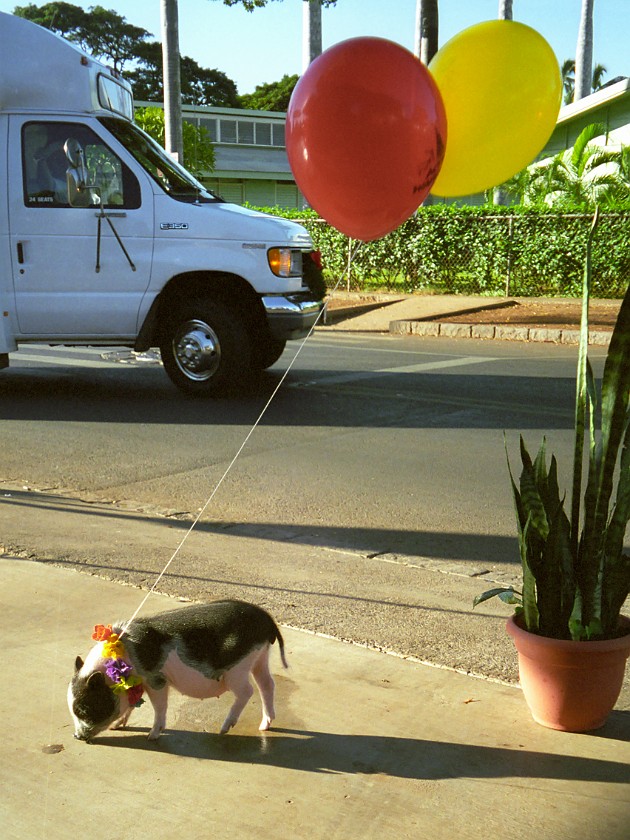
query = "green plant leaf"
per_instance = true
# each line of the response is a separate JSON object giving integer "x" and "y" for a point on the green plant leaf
{"x": 578, "y": 633}
{"x": 555, "y": 580}
{"x": 581, "y": 390}
{"x": 531, "y": 500}
{"x": 620, "y": 517}
{"x": 602, "y": 532}
{"x": 506, "y": 593}
{"x": 530, "y": 606}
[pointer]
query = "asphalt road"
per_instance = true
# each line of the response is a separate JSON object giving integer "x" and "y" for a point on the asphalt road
{"x": 370, "y": 502}
{"x": 387, "y": 436}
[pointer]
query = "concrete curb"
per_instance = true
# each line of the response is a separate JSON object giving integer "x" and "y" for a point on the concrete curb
{"x": 498, "y": 332}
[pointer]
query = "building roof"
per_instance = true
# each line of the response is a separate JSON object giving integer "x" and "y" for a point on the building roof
{"x": 610, "y": 106}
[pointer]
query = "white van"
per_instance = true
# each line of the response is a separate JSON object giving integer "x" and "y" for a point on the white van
{"x": 106, "y": 240}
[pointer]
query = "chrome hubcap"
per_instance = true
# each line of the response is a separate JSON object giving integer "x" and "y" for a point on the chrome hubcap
{"x": 197, "y": 350}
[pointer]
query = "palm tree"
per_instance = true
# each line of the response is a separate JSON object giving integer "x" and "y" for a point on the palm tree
{"x": 500, "y": 195}
{"x": 568, "y": 79}
{"x": 173, "y": 137}
{"x": 426, "y": 39}
{"x": 311, "y": 31}
{"x": 579, "y": 178}
{"x": 598, "y": 77}
{"x": 584, "y": 52}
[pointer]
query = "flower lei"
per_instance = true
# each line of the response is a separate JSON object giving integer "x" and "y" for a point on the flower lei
{"x": 117, "y": 669}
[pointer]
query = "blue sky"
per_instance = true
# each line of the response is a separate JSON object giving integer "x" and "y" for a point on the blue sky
{"x": 262, "y": 46}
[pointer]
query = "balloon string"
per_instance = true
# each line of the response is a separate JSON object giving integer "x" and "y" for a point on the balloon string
{"x": 240, "y": 449}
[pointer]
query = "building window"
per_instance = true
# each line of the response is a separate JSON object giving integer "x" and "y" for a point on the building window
{"x": 278, "y": 134}
{"x": 210, "y": 126}
{"x": 263, "y": 134}
{"x": 228, "y": 131}
{"x": 246, "y": 132}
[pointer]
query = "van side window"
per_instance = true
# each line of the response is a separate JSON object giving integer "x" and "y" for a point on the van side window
{"x": 108, "y": 180}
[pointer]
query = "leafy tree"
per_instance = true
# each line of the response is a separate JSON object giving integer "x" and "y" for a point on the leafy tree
{"x": 102, "y": 32}
{"x": 106, "y": 34}
{"x": 201, "y": 86}
{"x": 110, "y": 36}
{"x": 146, "y": 78}
{"x": 250, "y": 5}
{"x": 273, "y": 96}
{"x": 198, "y": 148}
{"x": 64, "y": 18}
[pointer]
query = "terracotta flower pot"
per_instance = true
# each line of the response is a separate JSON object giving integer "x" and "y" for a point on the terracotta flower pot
{"x": 568, "y": 685}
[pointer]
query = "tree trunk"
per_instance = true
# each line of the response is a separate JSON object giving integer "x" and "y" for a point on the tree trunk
{"x": 499, "y": 195}
{"x": 173, "y": 139}
{"x": 426, "y": 40}
{"x": 311, "y": 31}
{"x": 584, "y": 52}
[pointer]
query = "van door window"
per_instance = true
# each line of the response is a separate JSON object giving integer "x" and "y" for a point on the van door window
{"x": 109, "y": 181}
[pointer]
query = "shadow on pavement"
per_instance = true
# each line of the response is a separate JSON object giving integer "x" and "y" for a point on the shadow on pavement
{"x": 409, "y": 758}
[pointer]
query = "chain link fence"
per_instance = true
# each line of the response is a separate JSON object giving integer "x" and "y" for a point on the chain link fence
{"x": 513, "y": 254}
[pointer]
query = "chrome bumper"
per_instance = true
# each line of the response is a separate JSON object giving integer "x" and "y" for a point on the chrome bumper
{"x": 291, "y": 316}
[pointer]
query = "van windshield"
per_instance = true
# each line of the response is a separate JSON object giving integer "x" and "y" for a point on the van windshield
{"x": 169, "y": 174}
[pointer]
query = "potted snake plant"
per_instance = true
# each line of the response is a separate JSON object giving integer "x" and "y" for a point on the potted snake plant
{"x": 571, "y": 637}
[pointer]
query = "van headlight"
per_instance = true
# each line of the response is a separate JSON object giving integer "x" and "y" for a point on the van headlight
{"x": 285, "y": 262}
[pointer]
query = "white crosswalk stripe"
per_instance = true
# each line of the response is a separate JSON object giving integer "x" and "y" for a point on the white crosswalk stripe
{"x": 422, "y": 367}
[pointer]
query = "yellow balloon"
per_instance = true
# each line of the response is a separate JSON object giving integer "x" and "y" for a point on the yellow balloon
{"x": 501, "y": 87}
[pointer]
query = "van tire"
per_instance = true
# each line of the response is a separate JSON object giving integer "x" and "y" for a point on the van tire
{"x": 267, "y": 352}
{"x": 206, "y": 348}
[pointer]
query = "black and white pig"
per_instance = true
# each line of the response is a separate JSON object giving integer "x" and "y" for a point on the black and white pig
{"x": 202, "y": 651}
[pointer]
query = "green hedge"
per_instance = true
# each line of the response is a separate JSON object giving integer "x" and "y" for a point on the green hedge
{"x": 479, "y": 250}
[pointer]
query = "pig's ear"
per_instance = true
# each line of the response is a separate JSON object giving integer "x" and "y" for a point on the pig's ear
{"x": 78, "y": 664}
{"x": 96, "y": 680}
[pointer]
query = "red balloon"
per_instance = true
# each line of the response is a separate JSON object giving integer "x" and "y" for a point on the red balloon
{"x": 365, "y": 135}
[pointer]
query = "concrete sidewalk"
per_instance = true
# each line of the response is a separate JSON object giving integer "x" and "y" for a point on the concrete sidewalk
{"x": 365, "y": 745}
{"x": 426, "y": 315}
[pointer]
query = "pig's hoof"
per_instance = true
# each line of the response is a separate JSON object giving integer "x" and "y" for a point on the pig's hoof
{"x": 154, "y": 734}
{"x": 265, "y": 724}
{"x": 122, "y": 720}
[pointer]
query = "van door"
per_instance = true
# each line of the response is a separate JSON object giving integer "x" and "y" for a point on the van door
{"x": 68, "y": 282}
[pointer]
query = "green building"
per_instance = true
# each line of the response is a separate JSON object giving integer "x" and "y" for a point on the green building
{"x": 251, "y": 162}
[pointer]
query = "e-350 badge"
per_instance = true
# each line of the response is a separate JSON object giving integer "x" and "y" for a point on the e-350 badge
{"x": 173, "y": 225}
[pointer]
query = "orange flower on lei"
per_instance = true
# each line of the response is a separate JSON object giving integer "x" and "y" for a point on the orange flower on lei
{"x": 102, "y": 632}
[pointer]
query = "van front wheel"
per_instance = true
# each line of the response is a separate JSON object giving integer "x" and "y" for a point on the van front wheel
{"x": 206, "y": 349}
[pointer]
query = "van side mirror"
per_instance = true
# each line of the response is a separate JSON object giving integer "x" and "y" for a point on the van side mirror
{"x": 74, "y": 152}
{"x": 79, "y": 194}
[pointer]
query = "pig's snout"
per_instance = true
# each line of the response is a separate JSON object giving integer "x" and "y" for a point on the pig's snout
{"x": 85, "y": 732}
